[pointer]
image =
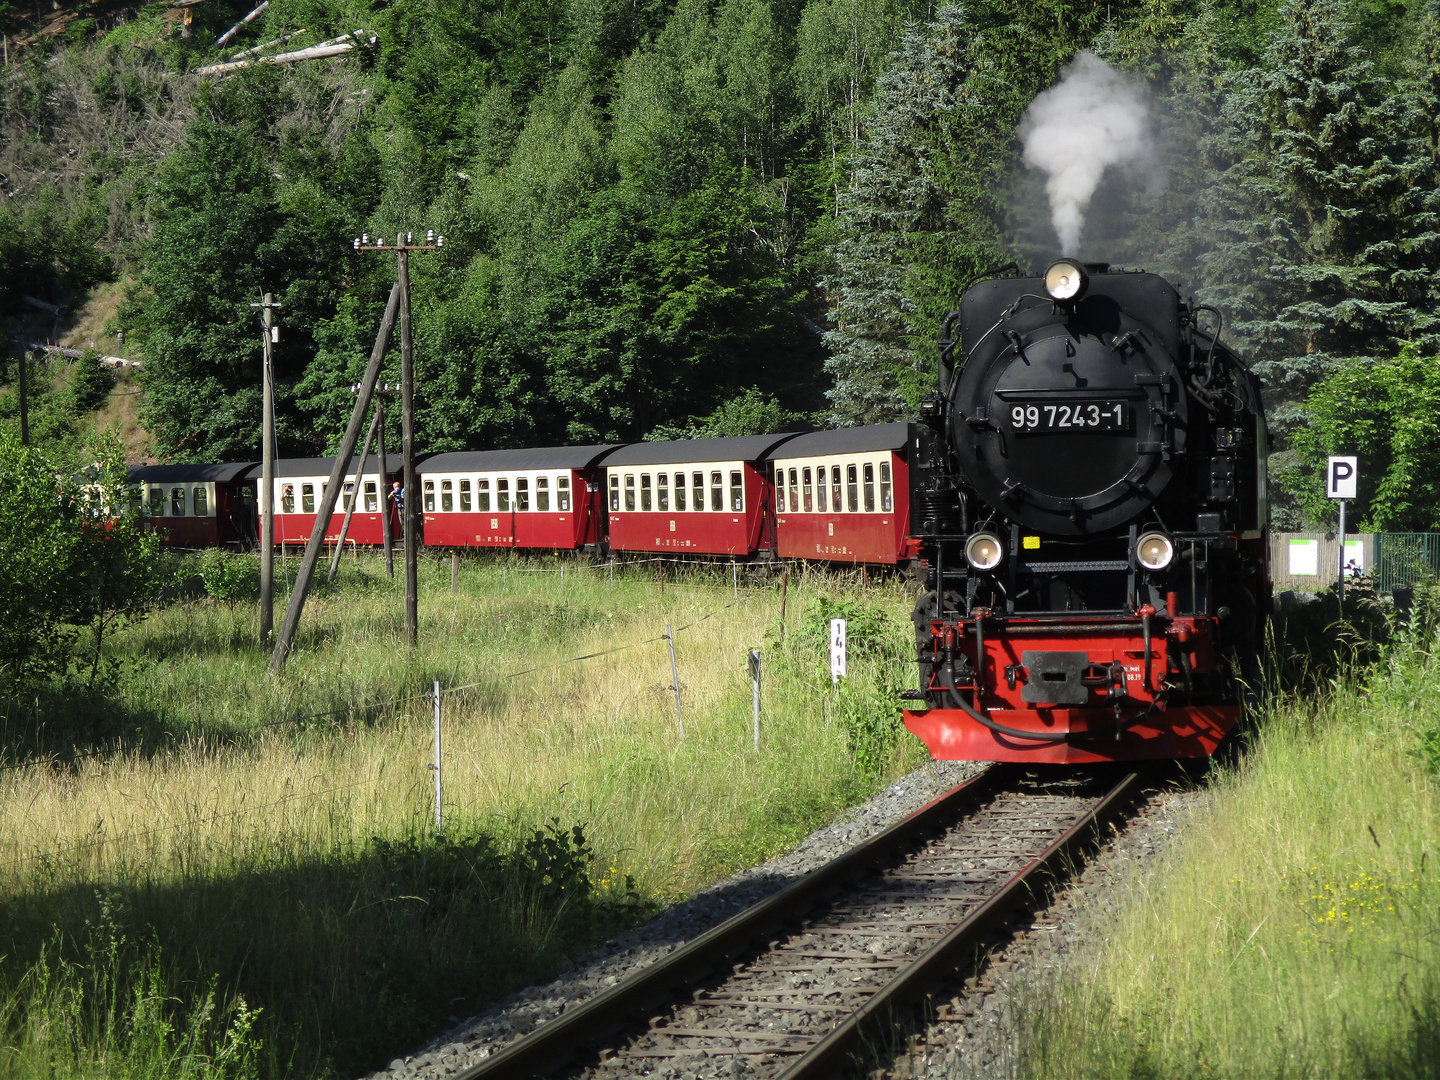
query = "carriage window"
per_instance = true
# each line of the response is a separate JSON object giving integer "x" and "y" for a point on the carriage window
{"x": 794, "y": 491}
{"x": 464, "y": 496}
{"x": 645, "y": 491}
{"x": 835, "y": 488}
{"x": 447, "y": 495}
{"x": 347, "y": 493}
{"x": 780, "y": 491}
{"x": 717, "y": 492}
{"x": 199, "y": 505}
{"x": 483, "y": 489}
{"x": 542, "y": 494}
{"x": 629, "y": 491}
{"x": 372, "y": 497}
{"x": 614, "y": 491}
{"x": 807, "y": 491}
{"x": 820, "y": 488}
{"x": 562, "y": 493}
{"x": 886, "y": 502}
{"x": 737, "y": 493}
{"x": 522, "y": 493}
{"x": 662, "y": 490}
{"x": 177, "y": 502}
{"x": 852, "y": 489}
{"x": 307, "y": 498}
{"x": 697, "y": 486}
{"x": 429, "y": 496}
{"x": 679, "y": 491}
{"x": 869, "y": 488}
{"x": 287, "y": 499}
{"x": 502, "y": 494}
{"x": 157, "y": 502}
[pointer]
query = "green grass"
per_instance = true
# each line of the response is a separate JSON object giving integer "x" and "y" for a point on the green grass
{"x": 1294, "y": 930}
{"x": 213, "y": 893}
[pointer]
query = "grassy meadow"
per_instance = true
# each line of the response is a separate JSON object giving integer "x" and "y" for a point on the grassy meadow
{"x": 212, "y": 873}
{"x": 1294, "y": 929}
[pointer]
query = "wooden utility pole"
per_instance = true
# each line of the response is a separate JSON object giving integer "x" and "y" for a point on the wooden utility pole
{"x": 331, "y": 491}
{"x": 267, "y": 308}
{"x": 411, "y": 518}
{"x": 385, "y": 537}
{"x": 407, "y": 440}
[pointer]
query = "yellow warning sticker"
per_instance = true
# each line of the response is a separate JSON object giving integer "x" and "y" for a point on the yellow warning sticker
{"x": 1031, "y": 543}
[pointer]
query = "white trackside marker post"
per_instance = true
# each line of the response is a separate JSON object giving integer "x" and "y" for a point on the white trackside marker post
{"x": 837, "y": 650}
{"x": 1342, "y": 478}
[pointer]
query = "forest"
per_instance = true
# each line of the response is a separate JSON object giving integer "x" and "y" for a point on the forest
{"x": 708, "y": 216}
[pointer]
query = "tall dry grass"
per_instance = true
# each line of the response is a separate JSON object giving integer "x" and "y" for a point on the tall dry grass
{"x": 1294, "y": 930}
{"x": 294, "y": 864}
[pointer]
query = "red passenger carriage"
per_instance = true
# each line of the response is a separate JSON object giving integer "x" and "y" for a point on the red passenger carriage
{"x": 547, "y": 497}
{"x": 300, "y": 487}
{"x": 198, "y": 505}
{"x": 693, "y": 497}
{"x": 844, "y": 496}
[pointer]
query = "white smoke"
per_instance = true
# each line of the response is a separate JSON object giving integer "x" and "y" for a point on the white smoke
{"x": 1091, "y": 119}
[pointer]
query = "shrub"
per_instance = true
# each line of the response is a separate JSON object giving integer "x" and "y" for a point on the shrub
{"x": 228, "y": 578}
{"x": 869, "y": 631}
{"x": 76, "y": 556}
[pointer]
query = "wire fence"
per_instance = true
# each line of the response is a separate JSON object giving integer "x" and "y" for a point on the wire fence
{"x": 392, "y": 702}
{"x": 138, "y": 834}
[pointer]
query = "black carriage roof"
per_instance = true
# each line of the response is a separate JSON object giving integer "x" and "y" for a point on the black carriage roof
{"x": 179, "y": 474}
{"x": 535, "y": 457}
{"x": 321, "y": 466}
{"x": 850, "y": 440}
{"x": 683, "y": 451}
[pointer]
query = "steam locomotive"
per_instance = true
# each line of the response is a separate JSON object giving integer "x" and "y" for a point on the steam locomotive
{"x": 1088, "y": 492}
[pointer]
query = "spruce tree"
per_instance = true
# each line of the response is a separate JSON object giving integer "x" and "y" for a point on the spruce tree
{"x": 1325, "y": 222}
{"x": 899, "y": 209}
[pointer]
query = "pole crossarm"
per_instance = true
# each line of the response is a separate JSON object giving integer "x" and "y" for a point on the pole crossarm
{"x": 331, "y": 492}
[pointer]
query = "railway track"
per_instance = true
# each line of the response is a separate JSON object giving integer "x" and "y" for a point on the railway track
{"x": 794, "y": 985}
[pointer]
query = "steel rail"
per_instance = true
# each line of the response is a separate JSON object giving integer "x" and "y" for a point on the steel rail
{"x": 557, "y": 1041}
{"x": 828, "y": 1057}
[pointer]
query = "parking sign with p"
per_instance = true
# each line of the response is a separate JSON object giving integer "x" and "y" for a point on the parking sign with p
{"x": 1341, "y": 476}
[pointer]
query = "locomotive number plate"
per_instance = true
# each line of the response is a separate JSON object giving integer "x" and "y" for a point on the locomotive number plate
{"x": 1035, "y": 417}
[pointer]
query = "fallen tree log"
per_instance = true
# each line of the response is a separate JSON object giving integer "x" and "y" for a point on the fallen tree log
{"x": 75, "y": 354}
{"x": 225, "y": 38}
{"x": 335, "y": 47}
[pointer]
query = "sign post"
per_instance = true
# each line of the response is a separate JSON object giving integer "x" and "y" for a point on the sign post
{"x": 837, "y": 650}
{"x": 1342, "y": 477}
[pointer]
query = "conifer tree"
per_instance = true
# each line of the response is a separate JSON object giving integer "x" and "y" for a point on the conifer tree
{"x": 897, "y": 204}
{"x": 1326, "y": 219}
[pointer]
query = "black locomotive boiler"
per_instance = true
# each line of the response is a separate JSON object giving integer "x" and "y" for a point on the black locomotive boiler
{"x": 1088, "y": 486}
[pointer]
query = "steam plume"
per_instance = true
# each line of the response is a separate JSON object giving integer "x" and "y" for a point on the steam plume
{"x": 1092, "y": 119}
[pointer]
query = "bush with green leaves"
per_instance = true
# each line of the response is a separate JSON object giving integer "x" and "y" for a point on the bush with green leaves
{"x": 869, "y": 631}
{"x": 77, "y": 556}
{"x": 229, "y": 578}
{"x": 1387, "y": 414}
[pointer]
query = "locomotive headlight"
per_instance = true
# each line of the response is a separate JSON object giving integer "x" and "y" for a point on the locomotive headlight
{"x": 1066, "y": 280}
{"x": 984, "y": 551}
{"x": 1154, "y": 551}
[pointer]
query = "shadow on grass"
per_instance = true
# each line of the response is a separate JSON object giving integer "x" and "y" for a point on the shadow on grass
{"x": 351, "y": 957}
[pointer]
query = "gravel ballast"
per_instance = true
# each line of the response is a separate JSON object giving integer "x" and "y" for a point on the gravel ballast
{"x": 472, "y": 1040}
{"x": 978, "y": 1036}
